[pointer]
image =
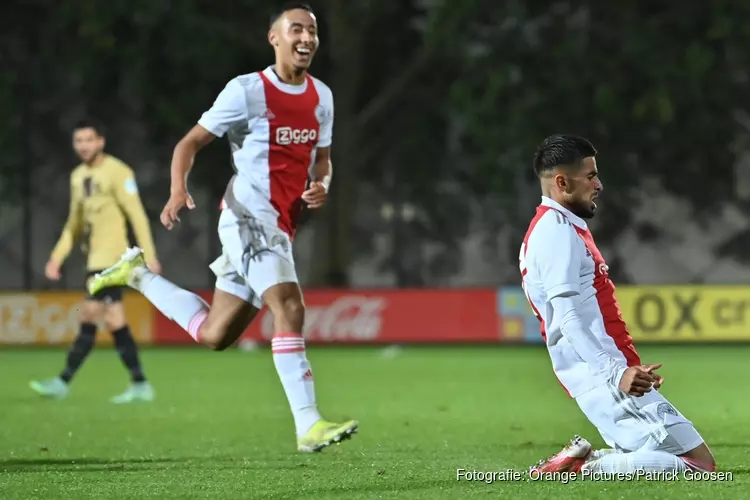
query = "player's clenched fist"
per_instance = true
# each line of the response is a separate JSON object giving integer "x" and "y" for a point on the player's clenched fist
{"x": 658, "y": 379}
{"x": 52, "y": 270}
{"x": 177, "y": 201}
{"x": 638, "y": 380}
{"x": 316, "y": 196}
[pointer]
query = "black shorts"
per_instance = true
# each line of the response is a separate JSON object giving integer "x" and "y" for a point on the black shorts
{"x": 109, "y": 294}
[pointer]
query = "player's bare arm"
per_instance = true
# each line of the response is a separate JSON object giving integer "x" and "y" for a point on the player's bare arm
{"x": 183, "y": 158}
{"x": 316, "y": 195}
{"x": 228, "y": 110}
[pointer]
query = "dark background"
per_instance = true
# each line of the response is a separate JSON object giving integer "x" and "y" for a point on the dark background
{"x": 439, "y": 106}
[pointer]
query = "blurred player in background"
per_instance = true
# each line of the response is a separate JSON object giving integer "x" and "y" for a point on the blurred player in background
{"x": 567, "y": 283}
{"x": 103, "y": 192}
{"x": 279, "y": 123}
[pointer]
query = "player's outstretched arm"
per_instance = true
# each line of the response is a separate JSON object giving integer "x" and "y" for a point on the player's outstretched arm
{"x": 228, "y": 110}
{"x": 183, "y": 158}
{"x": 71, "y": 231}
{"x": 184, "y": 154}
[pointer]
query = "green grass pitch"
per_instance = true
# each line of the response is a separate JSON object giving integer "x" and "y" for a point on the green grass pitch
{"x": 220, "y": 427}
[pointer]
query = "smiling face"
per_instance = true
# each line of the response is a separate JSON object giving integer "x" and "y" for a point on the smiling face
{"x": 294, "y": 37}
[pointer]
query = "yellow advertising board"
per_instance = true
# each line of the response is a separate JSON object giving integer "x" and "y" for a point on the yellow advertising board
{"x": 51, "y": 318}
{"x": 686, "y": 313}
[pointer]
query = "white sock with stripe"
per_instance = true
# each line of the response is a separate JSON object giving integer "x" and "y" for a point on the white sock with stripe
{"x": 649, "y": 461}
{"x": 291, "y": 363}
{"x": 184, "y": 308}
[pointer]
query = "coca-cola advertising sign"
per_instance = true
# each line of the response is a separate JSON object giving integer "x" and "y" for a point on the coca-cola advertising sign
{"x": 379, "y": 317}
{"x": 348, "y": 318}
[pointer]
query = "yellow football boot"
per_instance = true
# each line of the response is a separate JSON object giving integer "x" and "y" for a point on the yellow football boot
{"x": 324, "y": 434}
{"x": 119, "y": 274}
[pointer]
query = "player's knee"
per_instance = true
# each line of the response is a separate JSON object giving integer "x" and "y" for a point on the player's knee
{"x": 114, "y": 317}
{"x": 217, "y": 344}
{"x": 90, "y": 312}
{"x": 113, "y": 326}
{"x": 114, "y": 322}
{"x": 210, "y": 336}
{"x": 708, "y": 457}
{"x": 214, "y": 337}
{"x": 291, "y": 310}
{"x": 86, "y": 317}
{"x": 702, "y": 454}
{"x": 294, "y": 309}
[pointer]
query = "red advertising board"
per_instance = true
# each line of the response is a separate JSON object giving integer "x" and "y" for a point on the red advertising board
{"x": 378, "y": 317}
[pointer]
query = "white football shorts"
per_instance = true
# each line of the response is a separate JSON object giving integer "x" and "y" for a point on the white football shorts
{"x": 630, "y": 423}
{"x": 255, "y": 256}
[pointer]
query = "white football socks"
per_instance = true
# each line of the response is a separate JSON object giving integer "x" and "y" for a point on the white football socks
{"x": 296, "y": 376}
{"x": 597, "y": 454}
{"x": 184, "y": 308}
{"x": 648, "y": 461}
{"x": 190, "y": 311}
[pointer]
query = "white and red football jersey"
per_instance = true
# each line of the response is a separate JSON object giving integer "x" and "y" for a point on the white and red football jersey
{"x": 558, "y": 256}
{"x": 274, "y": 129}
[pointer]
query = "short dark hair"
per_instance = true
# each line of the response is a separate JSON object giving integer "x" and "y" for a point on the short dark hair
{"x": 286, "y": 7}
{"x": 92, "y": 123}
{"x": 561, "y": 150}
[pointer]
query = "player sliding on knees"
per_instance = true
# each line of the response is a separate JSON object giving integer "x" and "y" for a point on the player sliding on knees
{"x": 567, "y": 284}
{"x": 278, "y": 122}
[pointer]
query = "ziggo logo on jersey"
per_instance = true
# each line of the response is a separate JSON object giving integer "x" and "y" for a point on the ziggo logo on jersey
{"x": 289, "y": 135}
